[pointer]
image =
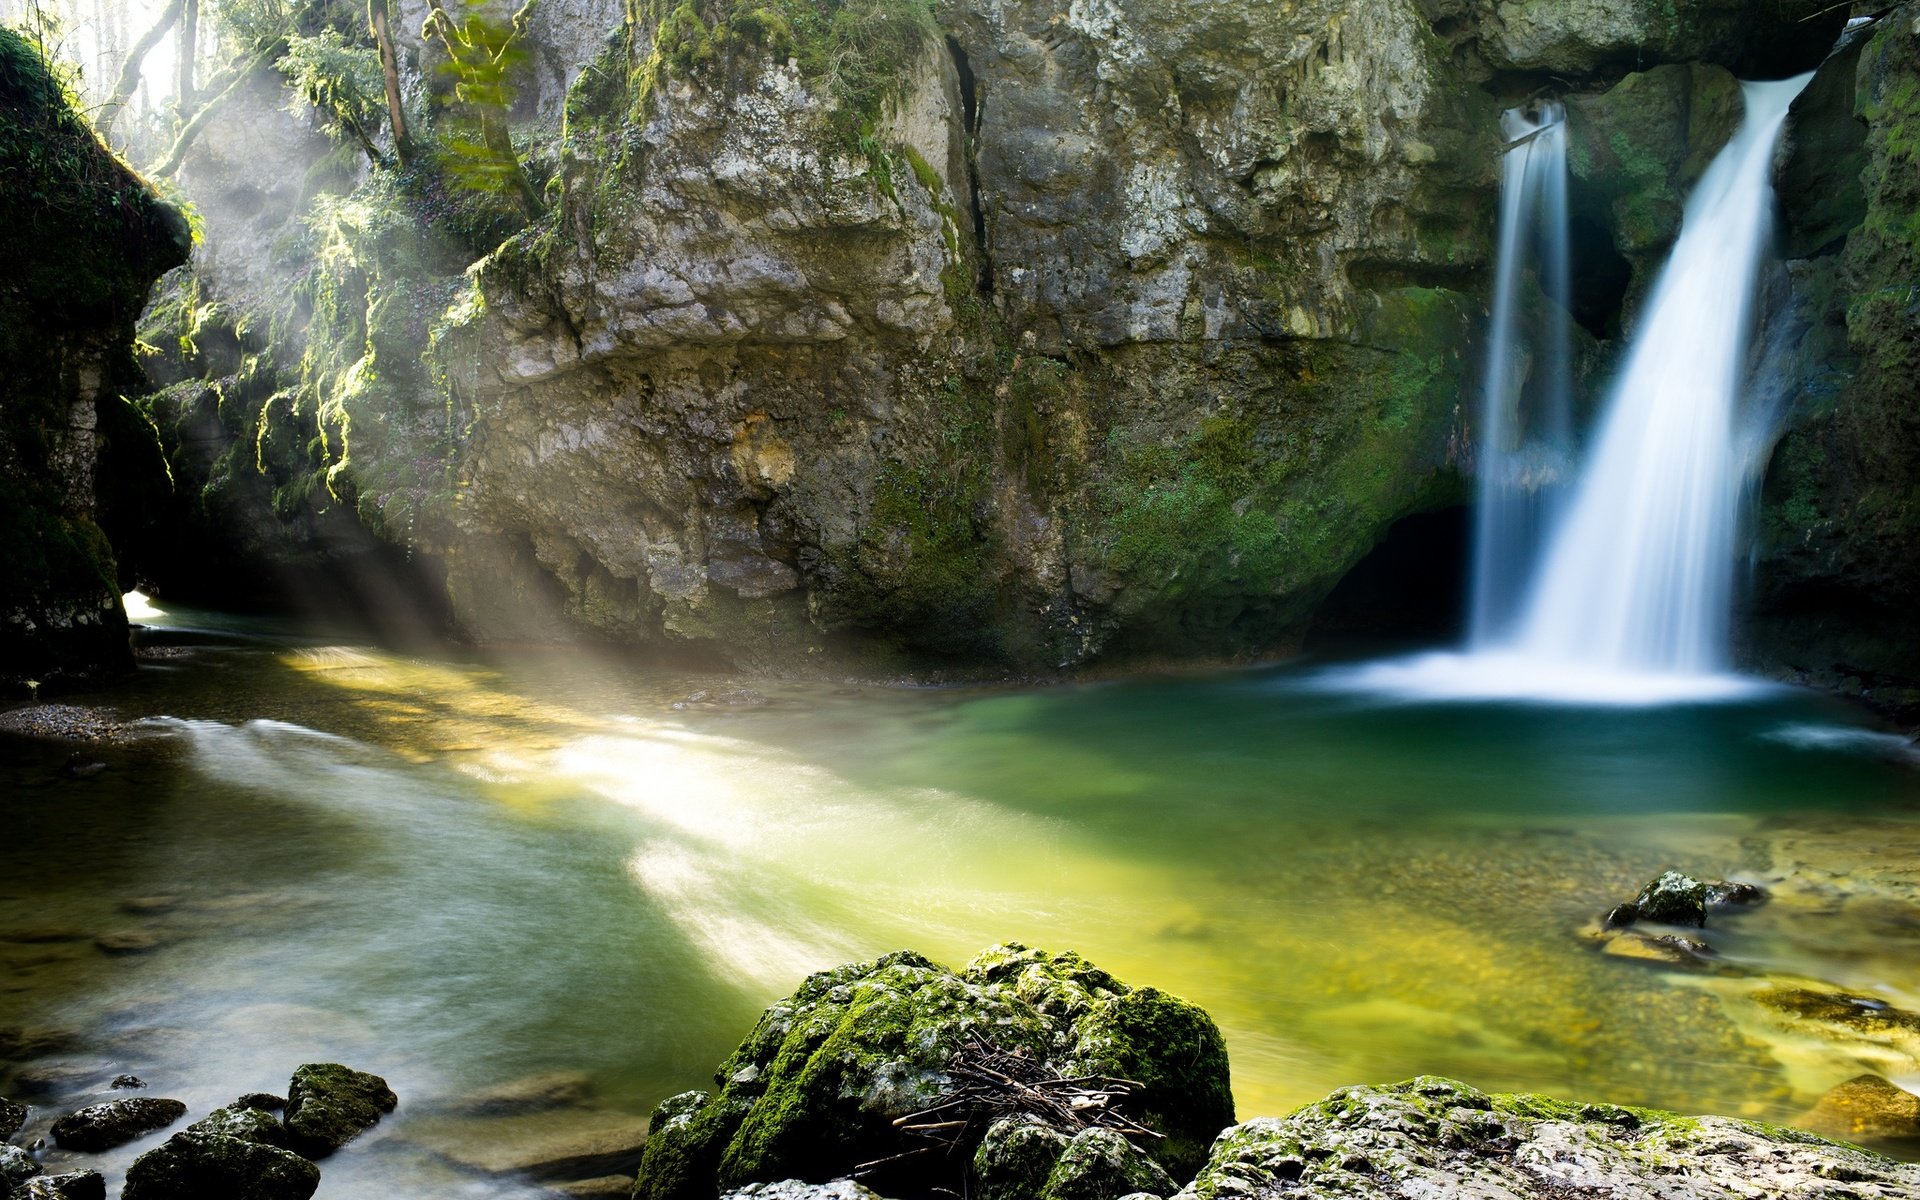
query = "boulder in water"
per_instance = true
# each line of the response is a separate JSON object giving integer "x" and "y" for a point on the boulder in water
{"x": 73, "y": 1185}
{"x": 814, "y": 1091}
{"x": 1672, "y": 898}
{"x": 1015, "y": 1158}
{"x": 16, "y": 1167}
{"x": 1865, "y": 1108}
{"x": 329, "y": 1105}
{"x": 195, "y": 1166}
{"x": 12, "y": 1117}
{"x": 247, "y": 1124}
{"x": 115, "y": 1123}
{"x": 1437, "y": 1137}
{"x": 794, "y": 1189}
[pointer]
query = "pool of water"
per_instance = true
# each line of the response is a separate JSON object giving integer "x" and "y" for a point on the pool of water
{"x": 458, "y": 874}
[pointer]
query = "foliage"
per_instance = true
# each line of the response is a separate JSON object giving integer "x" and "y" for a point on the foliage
{"x": 483, "y": 55}
{"x": 856, "y": 51}
{"x": 342, "y": 82}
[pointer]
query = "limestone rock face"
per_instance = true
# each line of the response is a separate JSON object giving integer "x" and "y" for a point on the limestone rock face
{"x": 813, "y": 1091}
{"x": 1838, "y": 586}
{"x": 1026, "y": 335}
{"x": 1432, "y": 1137}
{"x": 83, "y": 239}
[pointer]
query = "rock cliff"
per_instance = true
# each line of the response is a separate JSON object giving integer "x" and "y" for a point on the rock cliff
{"x": 80, "y": 468}
{"x": 1002, "y": 335}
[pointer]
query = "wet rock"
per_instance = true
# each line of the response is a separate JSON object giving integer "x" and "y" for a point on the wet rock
{"x": 1675, "y": 899}
{"x": 794, "y": 1189}
{"x": 21, "y": 1043}
{"x": 1436, "y": 1137}
{"x": 247, "y": 1124}
{"x": 16, "y": 1166}
{"x": 1865, "y": 1109}
{"x": 814, "y": 1090}
{"x": 608, "y": 1186}
{"x": 191, "y": 1166}
{"x": 115, "y": 1123}
{"x": 329, "y": 1105}
{"x": 556, "y": 1145}
{"x": 1865, "y": 1023}
{"x": 1672, "y": 948}
{"x": 149, "y": 906}
{"x": 127, "y": 1082}
{"x": 1100, "y": 1164}
{"x": 129, "y": 941}
{"x": 73, "y": 1185}
{"x": 265, "y": 1101}
{"x": 1015, "y": 1158}
{"x": 12, "y": 1117}
{"x": 529, "y": 1093}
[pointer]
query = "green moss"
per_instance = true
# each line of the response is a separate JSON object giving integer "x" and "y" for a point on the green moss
{"x": 815, "y": 1088}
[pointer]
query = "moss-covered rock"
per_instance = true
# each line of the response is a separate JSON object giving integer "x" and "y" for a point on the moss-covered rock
{"x": 813, "y": 1091}
{"x": 329, "y": 1105}
{"x": 192, "y": 1166}
{"x": 1838, "y": 585}
{"x": 83, "y": 239}
{"x": 247, "y": 1123}
{"x": 1100, "y": 1164}
{"x": 115, "y": 1123}
{"x": 1432, "y": 1136}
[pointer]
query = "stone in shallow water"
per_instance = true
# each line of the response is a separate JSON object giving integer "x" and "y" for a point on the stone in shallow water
{"x": 794, "y": 1189}
{"x": 1436, "y": 1137}
{"x": 529, "y": 1093}
{"x": 570, "y": 1144}
{"x": 12, "y": 1117}
{"x": 74, "y": 1185}
{"x": 192, "y": 1166}
{"x": 115, "y": 1123}
{"x": 247, "y": 1124}
{"x": 16, "y": 1166}
{"x": 1865, "y": 1109}
{"x": 329, "y": 1105}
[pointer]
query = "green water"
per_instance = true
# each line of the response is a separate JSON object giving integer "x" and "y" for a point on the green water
{"x": 456, "y": 874}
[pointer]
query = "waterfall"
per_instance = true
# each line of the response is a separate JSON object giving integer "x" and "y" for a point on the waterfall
{"x": 1525, "y": 414}
{"x": 1638, "y": 577}
{"x": 1618, "y": 588}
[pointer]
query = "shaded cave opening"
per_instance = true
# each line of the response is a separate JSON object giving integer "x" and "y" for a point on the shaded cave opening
{"x": 1411, "y": 588}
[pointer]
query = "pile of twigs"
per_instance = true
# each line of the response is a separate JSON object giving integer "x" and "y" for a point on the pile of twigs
{"x": 990, "y": 1083}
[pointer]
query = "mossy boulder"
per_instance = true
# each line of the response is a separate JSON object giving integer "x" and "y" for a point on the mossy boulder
{"x": 16, "y": 1167}
{"x": 1438, "y": 1137}
{"x": 329, "y": 1105}
{"x": 1866, "y": 1108}
{"x": 194, "y": 1166}
{"x": 1100, "y": 1164}
{"x": 813, "y": 1091}
{"x": 247, "y": 1123}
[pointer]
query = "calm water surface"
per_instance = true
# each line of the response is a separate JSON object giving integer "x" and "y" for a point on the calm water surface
{"x": 458, "y": 874}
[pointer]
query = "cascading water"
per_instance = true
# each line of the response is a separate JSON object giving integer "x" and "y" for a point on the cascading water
{"x": 1639, "y": 577}
{"x": 1526, "y": 414}
{"x": 1629, "y": 600}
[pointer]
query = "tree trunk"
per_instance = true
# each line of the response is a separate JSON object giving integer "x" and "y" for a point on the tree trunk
{"x": 390, "y": 67}
{"x": 130, "y": 70}
{"x": 189, "y": 49}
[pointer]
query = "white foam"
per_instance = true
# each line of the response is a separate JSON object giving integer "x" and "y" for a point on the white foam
{"x": 1529, "y": 679}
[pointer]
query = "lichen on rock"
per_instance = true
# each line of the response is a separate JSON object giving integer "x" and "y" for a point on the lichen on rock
{"x": 814, "y": 1091}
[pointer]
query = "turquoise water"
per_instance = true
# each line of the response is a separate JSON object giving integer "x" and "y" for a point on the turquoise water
{"x": 456, "y": 873}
